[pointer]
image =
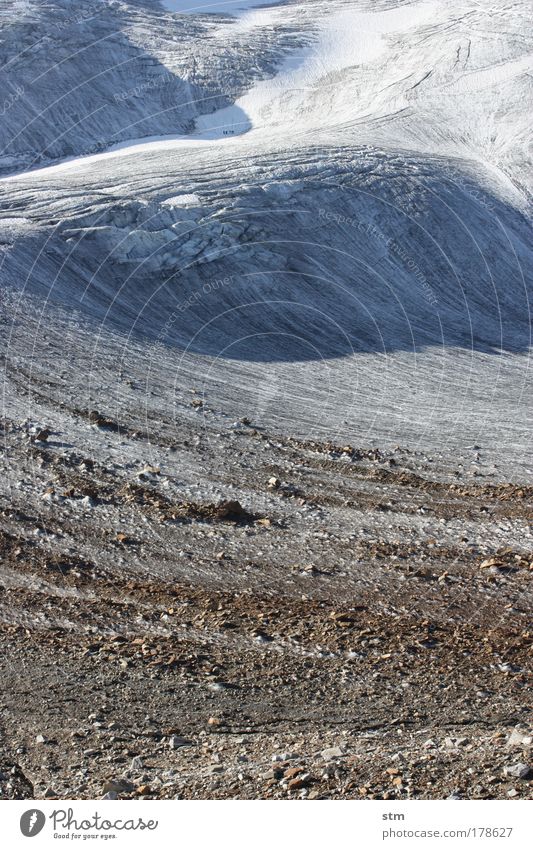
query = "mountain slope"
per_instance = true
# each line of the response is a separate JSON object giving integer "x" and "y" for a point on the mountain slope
{"x": 266, "y": 331}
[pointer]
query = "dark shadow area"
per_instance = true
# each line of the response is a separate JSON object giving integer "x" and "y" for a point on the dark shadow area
{"x": 76, "y": 80}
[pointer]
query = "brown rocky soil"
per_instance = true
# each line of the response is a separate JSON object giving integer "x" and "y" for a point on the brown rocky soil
{"x": 319, "y": 643}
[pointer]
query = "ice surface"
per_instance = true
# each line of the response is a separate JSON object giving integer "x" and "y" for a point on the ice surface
{"x": 231, "y": 7}
{"x": 182, "y": 200}
{"x": 346, "y": 38}
{"x": 320, "y": 214}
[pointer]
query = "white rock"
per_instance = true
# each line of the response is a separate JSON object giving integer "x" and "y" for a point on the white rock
{"x": 517, "y": 738}
{"x": 332, "y": 753}
{"x": 519, "y": 770}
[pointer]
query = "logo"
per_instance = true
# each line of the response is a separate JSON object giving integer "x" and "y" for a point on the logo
{"x": 32, "y": 822}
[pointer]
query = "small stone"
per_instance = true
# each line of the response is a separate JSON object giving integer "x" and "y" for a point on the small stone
{"x": 283, "y": 756}
{"x": 231, "y": 511}
{"x": 50, "y": 793}
{"x": 143, "y": 790}
{"x": 111, "y": 796}
{"x": 490, "y": 561}
{"x": 137, "y": 762}
{"x": 343, "y": 618}
{"x": 299, "y": 782}
{"x": 293, "y": 771}
{"x": 40, "y": 738}
{"x": 519, "y": 770}
{"x": 332, "y": 753}
{"x": 176, "y": 742}
{"x": 120, "y": 785}
{"x": 517, "y": 738}
{"x": 274, "y": 483}
{"x": 150, "y": 470}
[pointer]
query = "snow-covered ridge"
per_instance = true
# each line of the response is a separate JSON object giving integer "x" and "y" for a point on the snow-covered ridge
{"x": 432, "y": 76}
{"x": 346, "y": 38}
